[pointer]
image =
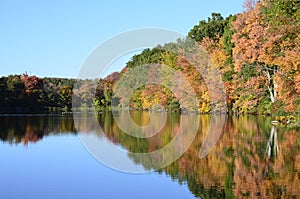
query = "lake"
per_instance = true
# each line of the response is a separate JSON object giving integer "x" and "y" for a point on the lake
{"x": 51, "y": 156}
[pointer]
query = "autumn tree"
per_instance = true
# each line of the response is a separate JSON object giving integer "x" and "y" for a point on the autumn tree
{"x": 267, "y": 43}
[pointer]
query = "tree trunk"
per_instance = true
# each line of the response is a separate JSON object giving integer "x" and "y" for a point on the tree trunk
{"x": 272, "y": 86}
{"x": 272, "y": 145}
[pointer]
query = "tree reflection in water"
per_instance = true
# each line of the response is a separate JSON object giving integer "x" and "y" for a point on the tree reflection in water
{"x": 26, "y": 129}
{"x": 246, "y": 162}
{"x": 272, "y": 145}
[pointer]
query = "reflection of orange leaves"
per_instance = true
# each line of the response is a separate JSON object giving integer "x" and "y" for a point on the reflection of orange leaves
{"x": 297, "y": 163}
{"x": 29, "y": 136}
{"x": 244, "y": 139}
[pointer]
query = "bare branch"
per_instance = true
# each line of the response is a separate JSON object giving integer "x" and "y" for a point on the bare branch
{"x": 249, "y": 4}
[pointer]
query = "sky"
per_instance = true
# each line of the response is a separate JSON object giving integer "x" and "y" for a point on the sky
{"x": 54, "y": 38}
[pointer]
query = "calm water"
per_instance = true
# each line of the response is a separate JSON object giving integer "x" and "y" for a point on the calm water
{"x": 43, "y": 157}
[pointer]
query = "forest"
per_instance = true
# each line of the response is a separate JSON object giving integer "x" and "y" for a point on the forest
{"x": 257, "y": 53}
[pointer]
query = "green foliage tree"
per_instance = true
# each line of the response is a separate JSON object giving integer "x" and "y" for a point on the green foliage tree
{"x": 213, "y": 28}
{"x": 227, "y": 35}
{"x": 15, "y": 90}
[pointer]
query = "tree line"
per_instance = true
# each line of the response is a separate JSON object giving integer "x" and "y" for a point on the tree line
{"x": 257, "y": 53}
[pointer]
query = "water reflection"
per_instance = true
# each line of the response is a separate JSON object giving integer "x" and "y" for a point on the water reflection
{"x": 26, "y": 129}
{"x": 252, "y": 158}
{"x": 272, "y": 145}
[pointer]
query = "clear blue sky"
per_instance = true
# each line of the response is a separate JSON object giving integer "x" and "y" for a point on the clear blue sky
{"x": 53, "y": 38}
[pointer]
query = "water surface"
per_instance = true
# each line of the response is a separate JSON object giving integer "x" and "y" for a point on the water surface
{"x": 43, "y": 157}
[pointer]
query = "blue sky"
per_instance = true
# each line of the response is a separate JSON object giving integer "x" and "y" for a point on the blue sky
{"x": 53, "y": 38}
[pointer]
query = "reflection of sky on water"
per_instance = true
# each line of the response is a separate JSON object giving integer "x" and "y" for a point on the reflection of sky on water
{"x": 59, "y": 167}
{"x": 105, "y": 152}
{"x": 41, "y": 157}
